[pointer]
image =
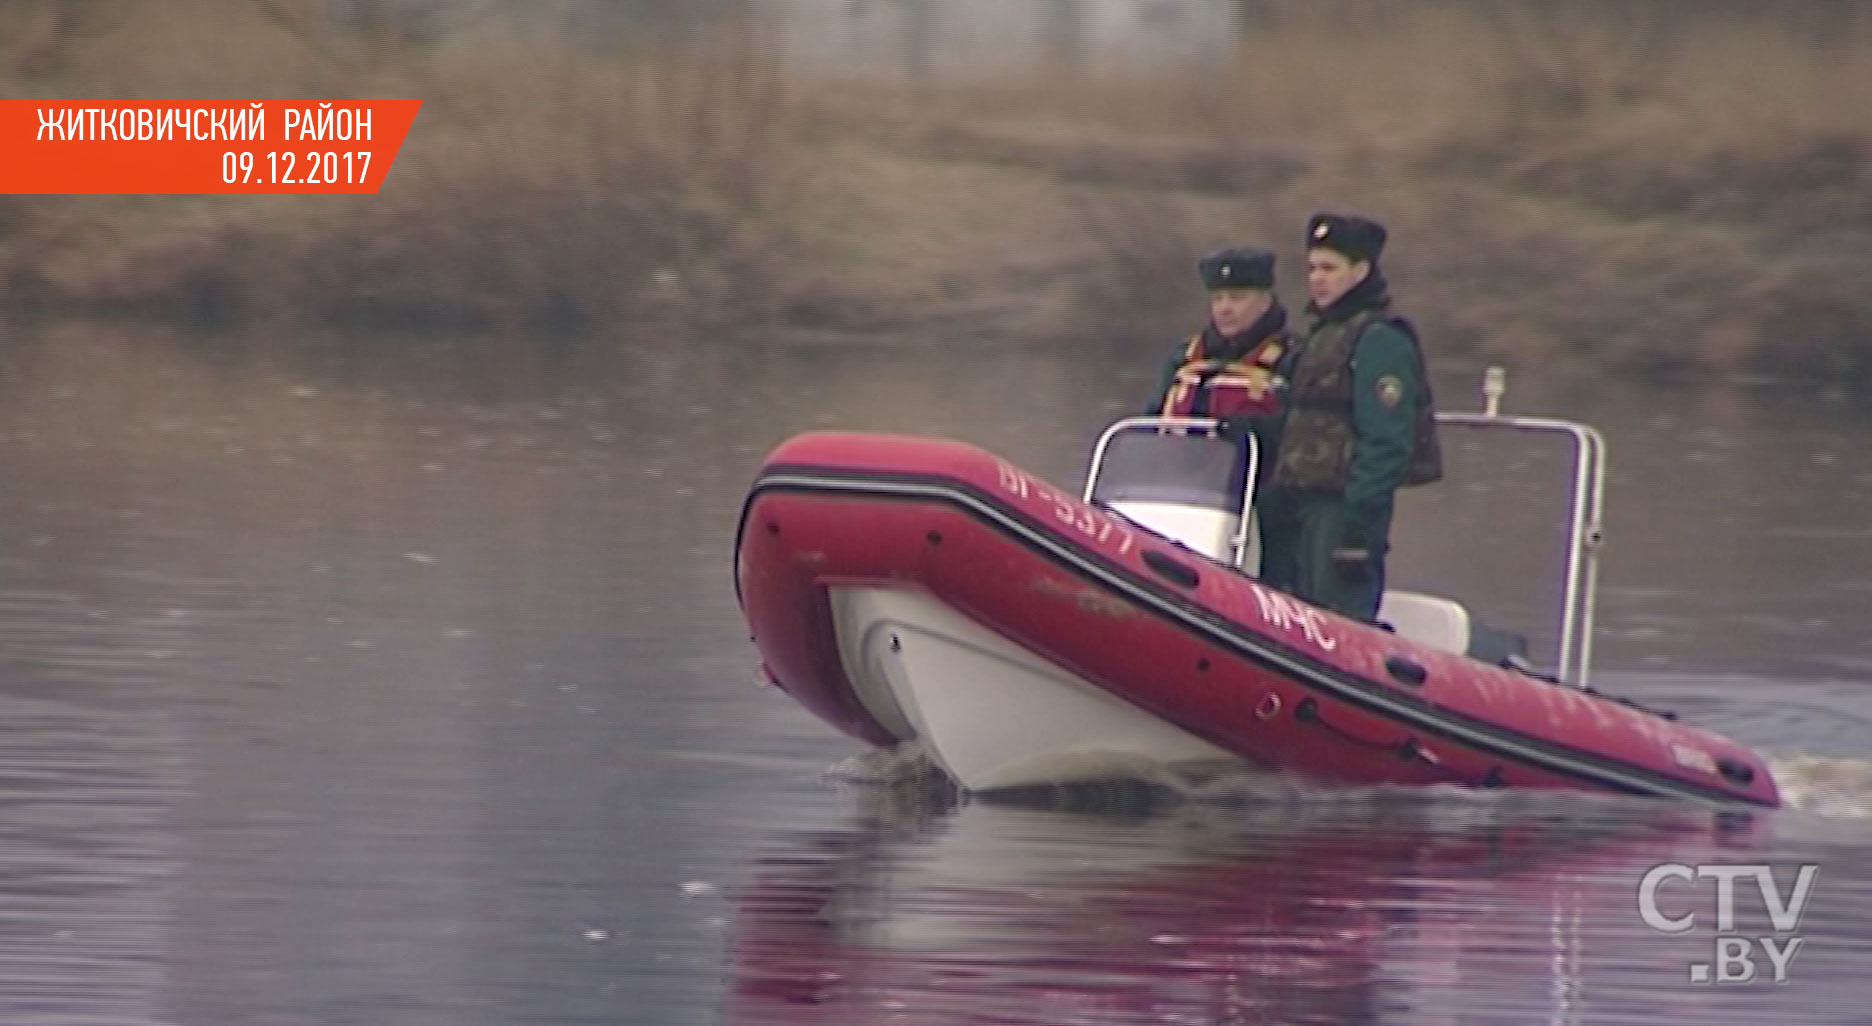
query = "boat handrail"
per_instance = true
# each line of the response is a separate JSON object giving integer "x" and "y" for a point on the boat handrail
{"x": 1200, "y": 424}
{"x": 1586, "y": 530}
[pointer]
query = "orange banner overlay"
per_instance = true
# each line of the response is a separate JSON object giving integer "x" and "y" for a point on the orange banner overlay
{"x": 84, "y": 149}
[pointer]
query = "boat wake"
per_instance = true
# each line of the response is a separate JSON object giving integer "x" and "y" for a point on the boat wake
{"x": 1836, "y": 788}
{"x": 1829, "y": 787}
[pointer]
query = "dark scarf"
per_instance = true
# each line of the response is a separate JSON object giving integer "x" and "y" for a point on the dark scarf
{"x": 1374, "y": 293}
{"x": 1230, "y": 349}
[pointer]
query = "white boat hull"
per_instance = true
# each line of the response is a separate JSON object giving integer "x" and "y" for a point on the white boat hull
{"x": 993, "y": 714}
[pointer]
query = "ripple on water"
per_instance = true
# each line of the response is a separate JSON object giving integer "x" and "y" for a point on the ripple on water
{"x": 85, "y": 860}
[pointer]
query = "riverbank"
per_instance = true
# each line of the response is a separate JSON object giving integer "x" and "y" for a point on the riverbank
{"x": 1585, "y": 190}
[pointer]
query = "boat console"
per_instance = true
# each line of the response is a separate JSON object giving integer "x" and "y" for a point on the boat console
{"x": 1177, "y": 477}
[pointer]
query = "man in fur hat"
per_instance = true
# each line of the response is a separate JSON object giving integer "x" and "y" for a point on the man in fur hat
{"x": 1227, "y": 370}
{"x": 1360, "y": 423}
{"x": 1231, "y": 369}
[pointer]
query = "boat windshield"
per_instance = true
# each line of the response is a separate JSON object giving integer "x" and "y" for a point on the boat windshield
{"x": 1172, "y": 467}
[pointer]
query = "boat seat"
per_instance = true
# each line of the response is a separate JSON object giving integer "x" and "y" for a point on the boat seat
{"x": 1210, "y": 532}
{"x": 1438, "y": 622}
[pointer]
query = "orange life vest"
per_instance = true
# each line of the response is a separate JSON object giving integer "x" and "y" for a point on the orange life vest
{"x": 1239, "y": 388}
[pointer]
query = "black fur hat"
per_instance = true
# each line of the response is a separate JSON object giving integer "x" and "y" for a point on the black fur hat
{"x": 1245, "y": 267}
{"x": 1357, "y": 237}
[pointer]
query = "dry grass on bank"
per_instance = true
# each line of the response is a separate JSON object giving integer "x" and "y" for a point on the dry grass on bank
{"x": 1596, "y": 183}
{"x": 1590, "y": 184}
{"x": 540, "y": 188}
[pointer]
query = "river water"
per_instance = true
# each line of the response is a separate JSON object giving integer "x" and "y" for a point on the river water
{"x": 402, "y": 682}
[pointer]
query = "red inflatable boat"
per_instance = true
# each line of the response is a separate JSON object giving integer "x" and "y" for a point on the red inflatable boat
{"x": 909, "y": 589}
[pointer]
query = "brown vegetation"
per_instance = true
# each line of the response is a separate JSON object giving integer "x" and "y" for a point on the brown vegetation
{"x": 1588, "y": 184}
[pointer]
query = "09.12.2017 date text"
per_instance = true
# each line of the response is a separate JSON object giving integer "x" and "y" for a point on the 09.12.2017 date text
{"x": 286, "y": 167}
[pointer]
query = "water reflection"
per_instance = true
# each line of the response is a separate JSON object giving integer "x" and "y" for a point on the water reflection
{"x": 1343, "y": 910}
{"x": 402, "y": 682}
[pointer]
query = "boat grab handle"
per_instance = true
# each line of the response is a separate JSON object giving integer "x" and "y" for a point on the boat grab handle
{"x": 1406, "y": 670}
{"x": 1181, "y": 573}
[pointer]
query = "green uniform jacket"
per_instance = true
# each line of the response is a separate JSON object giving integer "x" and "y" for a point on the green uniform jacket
{"x": 1386, "y": 389}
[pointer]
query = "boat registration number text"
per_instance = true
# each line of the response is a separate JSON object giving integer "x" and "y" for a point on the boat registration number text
{"x": 1068, "y": 510}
